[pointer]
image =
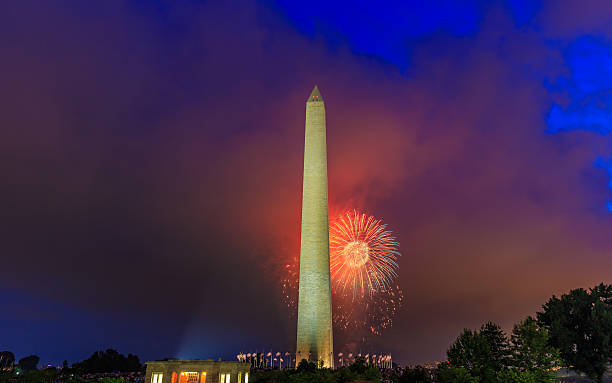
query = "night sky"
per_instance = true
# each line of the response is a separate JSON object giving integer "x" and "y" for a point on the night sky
{"x": 151, "y": 160}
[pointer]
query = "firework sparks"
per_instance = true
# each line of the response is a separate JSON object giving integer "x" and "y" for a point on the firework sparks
{"x": 363, "y": 254}
{"x": 363, "y": 266}
{"x": 373, "y": 313}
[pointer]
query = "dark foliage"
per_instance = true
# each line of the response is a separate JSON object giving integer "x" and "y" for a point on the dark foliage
{"x": 28, "y": 363}
{"x": 415, "y": 375}
{"x": 308, "y": 372}
{"x": 7, "y": 360}
{"x": 359, "y": 366}
{"x": 108, "y": 361}
{"x": 446, "y": 373}
{"x": 498, "y": 345}
{"x": 472, "y": 352}
{"x": 487, "y": 356}
{"x": 306, "y": 366}
{"x": 531, "y": 353}
{"x": 580, "y": 326}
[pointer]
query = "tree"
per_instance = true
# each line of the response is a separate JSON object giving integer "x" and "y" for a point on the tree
{"x": 132, "y": 363}
{"x": 48, "y": 375}
{"x": 472, "y": 353}
{"x": 111, "y": 380}
{"x": 498, "y": 345}
{"x": 7, "y": 360}
{"x": 359, "y": 366}
{"x": 415, "y": 375}
{"x": 531, "y": 352}
{"x": 345, "y": 375}
{"x": 449, "y": 374}
{"x": 307, "y": 372}
{"x": 306, "y": 366}
{"x": 364, "y": 371}
{"x": 580, "y": 326}
{"x": 371, "y": 374}
{"x": 28, "y": 363}
{"x": 109, "y": 361}
{"x": 508, "y": 375}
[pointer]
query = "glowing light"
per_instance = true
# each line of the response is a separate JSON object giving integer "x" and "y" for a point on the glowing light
{"x": 364, "y": 269}
{"x": 363, "y": 254}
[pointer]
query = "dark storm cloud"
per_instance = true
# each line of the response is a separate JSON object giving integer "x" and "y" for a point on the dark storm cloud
{"x": 588, "y": 86}
{"x": 588, "y": 101}
{"x": 151, "y": 161}
{"x": 378, "y": 32}
{"x": 607, "y": 165}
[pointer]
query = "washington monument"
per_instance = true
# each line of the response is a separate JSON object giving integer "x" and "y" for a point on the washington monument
{"x": 314, "y": 332}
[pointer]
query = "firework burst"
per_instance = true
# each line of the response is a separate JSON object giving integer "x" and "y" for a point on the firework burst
{"x": 363, "y": 255}
{"x": 363, "y": 266}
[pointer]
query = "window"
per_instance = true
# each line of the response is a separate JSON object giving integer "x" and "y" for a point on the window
{"x": 246, "y": 377}
{"x": 188, "y": 377}
{"x": 240, "y": 377}
{"x": 157, "y": 378}
{"x": 174, "y": 377}
{"x": 203, "y": 379}
{"x": 224, "y": 378}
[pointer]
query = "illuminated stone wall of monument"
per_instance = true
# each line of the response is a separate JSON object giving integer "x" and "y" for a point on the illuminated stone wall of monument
{"x": 314, "y": 334}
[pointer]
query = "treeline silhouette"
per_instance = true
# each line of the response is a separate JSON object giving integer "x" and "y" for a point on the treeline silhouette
{"x": 108, "y": 361}
{"x": 7, "y": 362}
{"x": 572, "y": 331}
{"x": 101, "y": 367}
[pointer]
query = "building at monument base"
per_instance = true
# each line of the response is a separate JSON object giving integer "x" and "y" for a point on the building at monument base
{"x": 197, "y": 371}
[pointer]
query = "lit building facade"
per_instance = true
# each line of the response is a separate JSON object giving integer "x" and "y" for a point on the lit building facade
{"x": 197, "y": 371}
